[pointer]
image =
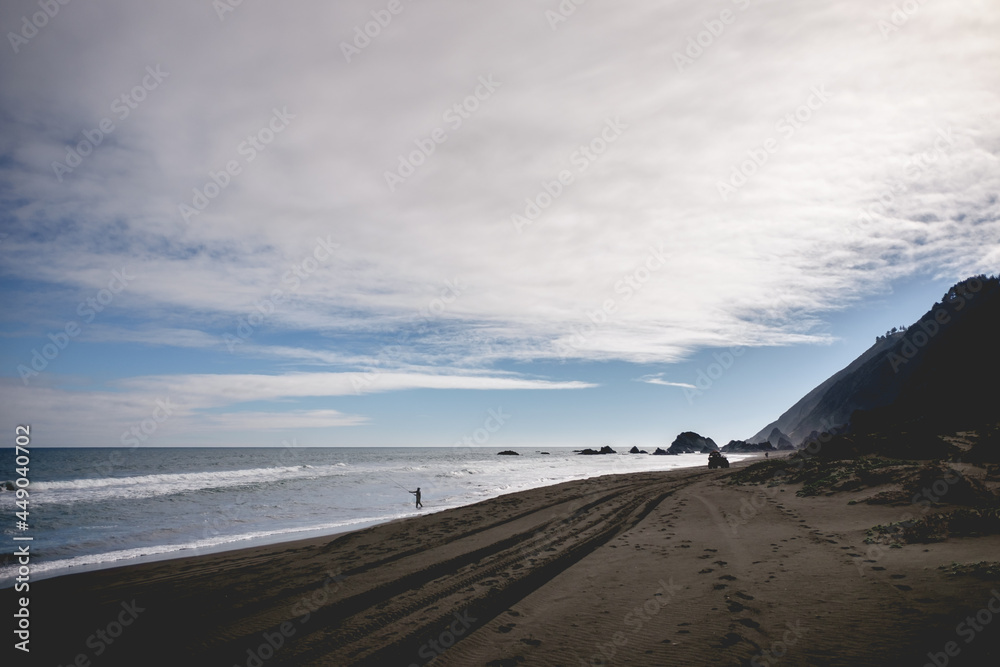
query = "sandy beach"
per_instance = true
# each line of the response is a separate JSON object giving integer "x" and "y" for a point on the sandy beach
{"x": 678, "y": 568}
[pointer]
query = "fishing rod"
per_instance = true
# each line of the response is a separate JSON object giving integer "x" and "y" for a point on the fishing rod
{"x": 396, "y": 483}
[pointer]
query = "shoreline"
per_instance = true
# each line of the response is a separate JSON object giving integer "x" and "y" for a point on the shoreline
{"x": 159, "y": 553}
{"x": 644, "y": 568}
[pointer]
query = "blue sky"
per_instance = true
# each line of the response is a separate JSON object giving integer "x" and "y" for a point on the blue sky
{"x": 277, "y": 237}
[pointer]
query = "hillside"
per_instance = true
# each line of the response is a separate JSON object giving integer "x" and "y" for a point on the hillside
{"x": 942, "y": 371}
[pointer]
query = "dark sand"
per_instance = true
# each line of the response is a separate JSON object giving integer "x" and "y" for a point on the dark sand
{"x": 643, "y": 569}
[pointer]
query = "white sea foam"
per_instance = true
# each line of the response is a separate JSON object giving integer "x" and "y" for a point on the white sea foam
{"x": 148, "y": 486}
{"x": 94, "y": 522}
{"x": 206, "y": 545}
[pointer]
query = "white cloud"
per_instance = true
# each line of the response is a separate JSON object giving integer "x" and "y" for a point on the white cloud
{"x": 187, "y": 405}
{"x": 763, "y": 268}
{"x": 658, "y": 379}
{"x": 239, "y": 421}
{"x": 208, "y": 390}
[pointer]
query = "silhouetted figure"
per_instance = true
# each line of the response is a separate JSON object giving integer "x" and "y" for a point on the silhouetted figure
{"x": 767, "y": 455}
{"x": 417, "y": 494}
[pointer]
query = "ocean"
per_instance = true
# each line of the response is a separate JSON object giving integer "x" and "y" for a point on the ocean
{"x": 100, "y": 507}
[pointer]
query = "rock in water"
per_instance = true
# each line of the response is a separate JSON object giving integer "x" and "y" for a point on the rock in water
{"x": 690, "y": 442}
{"x": 604, "y": 450}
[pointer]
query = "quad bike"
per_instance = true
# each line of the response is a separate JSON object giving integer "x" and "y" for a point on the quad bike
{"x": 717, "y": 460}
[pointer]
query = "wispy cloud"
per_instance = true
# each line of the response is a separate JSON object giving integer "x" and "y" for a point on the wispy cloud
{"x": 788, "y": 230}
{"x": 292, "y": 419}
{"x": 764, "y": 266}
{"x": 238, "y": 388}
{"x": 187, "y": 405}
{"x": 658, "y": 379}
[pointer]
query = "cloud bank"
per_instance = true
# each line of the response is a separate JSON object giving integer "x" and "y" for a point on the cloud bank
{"x": 474, "y": 186}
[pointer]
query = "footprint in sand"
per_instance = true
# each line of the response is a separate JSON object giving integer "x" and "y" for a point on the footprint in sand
{"x": 729, "y": 639}
{"x": 720, "y": 563}
{"x": 719, "y": 587}
{"x": 903, "y": 587}
{"x": 734, "y": 606}
{"x": 897, "y": 576}
{"x": 750, "y": 623}
{"x": 728, "y": 577}
{"x": 877, "y": 568}
{"x": 506, "y": 662}
{"x": 532, "y": 642}
{"x": 706, "y": 570}
{"x": 507, "y": 628}
{"x": 743, "y": 596}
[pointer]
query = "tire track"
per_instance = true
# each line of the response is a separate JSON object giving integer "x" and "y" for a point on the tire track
{"x": 357, "y": 603}
{"x": 580, "y": 535}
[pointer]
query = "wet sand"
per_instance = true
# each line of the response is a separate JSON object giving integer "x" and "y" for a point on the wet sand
{"x": 673, "y": 568}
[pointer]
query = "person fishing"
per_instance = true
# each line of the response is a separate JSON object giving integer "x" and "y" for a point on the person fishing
{"x": 416, "y": 493}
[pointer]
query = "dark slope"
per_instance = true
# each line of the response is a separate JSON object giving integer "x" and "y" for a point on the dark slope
{"x": 941, "y": 372}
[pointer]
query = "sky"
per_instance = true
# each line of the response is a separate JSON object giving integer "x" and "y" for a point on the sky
{"x": 520, "y": 224}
